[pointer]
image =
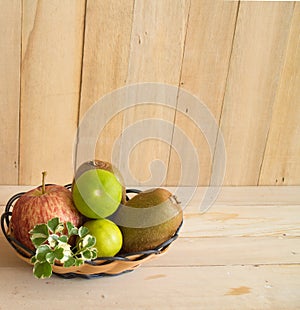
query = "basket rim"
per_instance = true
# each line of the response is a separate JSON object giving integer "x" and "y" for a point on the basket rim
{"x": 133, "y": 259}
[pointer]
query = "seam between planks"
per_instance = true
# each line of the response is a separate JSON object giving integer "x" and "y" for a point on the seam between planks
{"x": 178, "y": 89}
{"x": 225, "y": 88}
{"x": 20, "y": 94}
{"x": 81, "y": 77}
{"x": 275, "y": 97}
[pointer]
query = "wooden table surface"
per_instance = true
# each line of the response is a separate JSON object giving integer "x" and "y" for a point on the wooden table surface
{"x": 243, "y": 253}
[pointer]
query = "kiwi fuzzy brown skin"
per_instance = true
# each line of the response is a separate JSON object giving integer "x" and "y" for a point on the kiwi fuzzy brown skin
{"x": 100, "y": 164}
{"x": 136, "y": 239}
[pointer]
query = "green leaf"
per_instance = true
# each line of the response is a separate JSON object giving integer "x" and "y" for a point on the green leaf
{"x": 78, "y": 262}
{"x": 88, "y": 241}
{"x": 94, "y": 253}
{"x": 50, "y": 257}
{"x": 55, "y": 226}
{"x": 72, "y": 230}
{"x": 41, "y": 252}
{"x": 39, "y": 234}
{"x": 66, "y": 250}
{"x": 42, "y": 270}
{"x": 86, "y": 255}
{"x": 53, "y": 223}
{"x": 38, "y": 241}
{"x": 89, "y": 254}
{"x": 70, "y": 262}
{"x": 63, "y": 239}
{"x": 83, "y": 231}
{"x": 59, "y": 253}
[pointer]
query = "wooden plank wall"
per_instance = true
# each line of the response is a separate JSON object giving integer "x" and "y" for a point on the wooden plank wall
{"x": 10, "y": 47}
{"x": 239, "y": 58}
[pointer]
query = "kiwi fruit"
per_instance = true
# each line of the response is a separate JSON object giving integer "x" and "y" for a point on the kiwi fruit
{"x": 148, "y": 219}
{"x": 105, "y": 165}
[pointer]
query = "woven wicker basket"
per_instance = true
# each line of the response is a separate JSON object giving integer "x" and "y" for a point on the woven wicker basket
{"x": 100, "y": 267}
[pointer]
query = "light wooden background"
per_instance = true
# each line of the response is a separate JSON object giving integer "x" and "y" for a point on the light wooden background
{"x": 242, "y": 59}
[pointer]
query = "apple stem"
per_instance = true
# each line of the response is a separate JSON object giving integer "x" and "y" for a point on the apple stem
{"x": 44, "y": 173}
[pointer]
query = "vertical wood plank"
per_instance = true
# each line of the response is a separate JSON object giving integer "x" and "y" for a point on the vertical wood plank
{"x": 106, "y": 52}
{"x": 204, "y": 70}
{"x": 281, "y": 164}
{"x": 156, "y": 52}
{"x": 257, "y": 58}
{"x": 10, "y": 49}
{"x": 51, "y": 65}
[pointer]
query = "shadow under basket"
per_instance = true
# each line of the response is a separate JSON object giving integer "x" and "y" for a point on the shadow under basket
{"x": 100, "y": 267}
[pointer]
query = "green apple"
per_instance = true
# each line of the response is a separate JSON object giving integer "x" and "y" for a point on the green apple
{"x": 108, "y": 236}
{"x": 101, "y": 164}
{"x": 96, "y": 193}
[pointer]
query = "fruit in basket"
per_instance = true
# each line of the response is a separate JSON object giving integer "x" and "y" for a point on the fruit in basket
{"x": 38, "y": 206}
{"x": 97, "y": 193}
{"x": 101, "y": 164}
{"x": 148, "y": 219}
{"x": 108, "y": 236}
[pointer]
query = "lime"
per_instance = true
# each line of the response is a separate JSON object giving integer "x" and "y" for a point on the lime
{"x": 108, "y": 236}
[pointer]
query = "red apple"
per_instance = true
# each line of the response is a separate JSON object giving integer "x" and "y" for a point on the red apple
{"x": 40, "y": 205}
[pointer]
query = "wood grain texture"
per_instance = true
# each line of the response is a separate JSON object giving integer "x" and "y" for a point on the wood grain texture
{"x": 157, "y": 43}
{"x": 280, "y": 196}
{"x": 243, "y": 253}
{"x": 218, "y": 251}
{"x": 257, "y": 58}
{"x": 50, "y": 81}
{"x": 239, "y": 58}
{"x": 10, "y": 49}
{"x": 174, "y": 288}
{"x": 105, "y": 63}
{"x": 281, "y": 165}
{"x": 207, "y": 287}
{"x": 243, "y": 222}
{"x": 204, "y": 69}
